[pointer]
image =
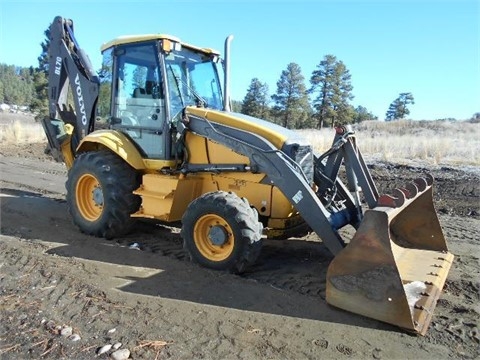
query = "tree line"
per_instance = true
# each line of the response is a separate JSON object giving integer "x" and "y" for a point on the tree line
{"x": 23, "y": 86}
{"x": 325, "y": 102}
{"x": 27, "y": 86}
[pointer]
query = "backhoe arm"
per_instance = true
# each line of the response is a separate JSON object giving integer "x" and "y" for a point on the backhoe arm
{"x": 69, "y": 69}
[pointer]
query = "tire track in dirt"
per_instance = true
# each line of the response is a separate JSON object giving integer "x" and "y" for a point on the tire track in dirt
{"x": 296, "y": 266}
{"x": 288, "y": 265}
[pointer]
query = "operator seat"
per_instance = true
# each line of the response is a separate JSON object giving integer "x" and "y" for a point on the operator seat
{"x": 140, "y": 93}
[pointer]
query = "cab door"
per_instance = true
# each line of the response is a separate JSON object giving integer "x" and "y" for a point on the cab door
{"x": 138, "y": 98}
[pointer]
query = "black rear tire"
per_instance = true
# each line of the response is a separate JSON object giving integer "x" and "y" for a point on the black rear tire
{"x": 99, "y": 194}
{"x": 222, "y": 232}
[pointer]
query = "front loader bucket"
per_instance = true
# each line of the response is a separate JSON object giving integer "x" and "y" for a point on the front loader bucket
{"x": 395, "y": 266}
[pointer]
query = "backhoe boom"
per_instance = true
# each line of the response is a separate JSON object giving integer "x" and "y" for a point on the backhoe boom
{"x": 70, "y": 71}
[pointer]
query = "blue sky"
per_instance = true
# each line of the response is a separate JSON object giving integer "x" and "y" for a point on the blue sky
{"x": 430, "y": 48}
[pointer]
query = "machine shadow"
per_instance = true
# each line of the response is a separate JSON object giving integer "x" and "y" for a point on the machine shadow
{"x": 289, "y": 279}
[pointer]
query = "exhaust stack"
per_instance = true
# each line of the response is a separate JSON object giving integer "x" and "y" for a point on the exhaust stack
{"x": 226, "y": 83}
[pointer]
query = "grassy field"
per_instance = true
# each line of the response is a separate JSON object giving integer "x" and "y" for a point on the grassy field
{"x": 20, "y": 128}
{"x": 444, "y": 143}
{"x": 406, "y": 142}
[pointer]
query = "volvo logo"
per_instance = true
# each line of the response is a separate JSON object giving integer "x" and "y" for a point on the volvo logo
{"x": 81, "y": 103}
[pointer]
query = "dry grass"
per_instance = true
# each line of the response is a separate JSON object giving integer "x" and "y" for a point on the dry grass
{"x": 20, "y": 129}
{"x": 428, "y": 142}
{"x": 405, "y": 142}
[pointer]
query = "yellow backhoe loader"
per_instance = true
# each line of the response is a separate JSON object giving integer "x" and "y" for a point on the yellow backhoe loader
{"x": 172, "y": 150}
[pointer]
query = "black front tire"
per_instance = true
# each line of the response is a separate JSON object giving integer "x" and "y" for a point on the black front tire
{"x": 222, "y": 232}
{"x": 99, "y": 194}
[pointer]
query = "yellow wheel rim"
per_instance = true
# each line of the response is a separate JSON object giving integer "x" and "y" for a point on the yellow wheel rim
{"x": 89, "y": 197}
{"x": 213, "y": 237}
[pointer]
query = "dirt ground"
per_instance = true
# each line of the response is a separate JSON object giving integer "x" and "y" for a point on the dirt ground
{"x": 64, "y": 295}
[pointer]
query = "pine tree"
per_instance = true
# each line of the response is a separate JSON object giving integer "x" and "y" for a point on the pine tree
{"x": 255, "y": 102}
{"x": 39, "y": 103}
{"x": 331, "y": 83}
{"x": 398, "y": 108}
{"x": 292, "y": 108}
{"x": 105, "y": 91}
{"x": 16, "y": 85}
{"x": 43, "y": 58}
{"x": 236, "y": 106}
{"x": 362, "y": 114}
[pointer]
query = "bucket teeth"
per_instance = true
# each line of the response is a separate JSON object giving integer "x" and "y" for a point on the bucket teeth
{"x": 429, "y": 179}
{"x": 400, "y": 196}
{"x": 410, "y": 191}
{"x": 421, "y": 183}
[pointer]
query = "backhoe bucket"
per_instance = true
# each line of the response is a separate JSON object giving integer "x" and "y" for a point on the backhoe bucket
{"x": 395, "y": 266}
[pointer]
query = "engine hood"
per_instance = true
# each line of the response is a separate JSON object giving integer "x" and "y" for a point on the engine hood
{"x": 279, "y": 136}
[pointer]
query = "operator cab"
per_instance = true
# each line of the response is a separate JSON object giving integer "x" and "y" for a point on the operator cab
{"x": 146, "y": 82}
